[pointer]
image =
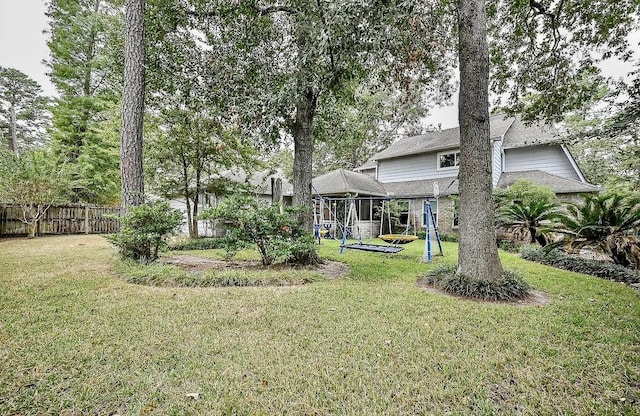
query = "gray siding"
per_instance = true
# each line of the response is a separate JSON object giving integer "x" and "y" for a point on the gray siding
{"x": 412, "y": 168}
{"x": 549, "y": 159}
{"x": 369, "y": 172}
{"x": 496, "y": 166}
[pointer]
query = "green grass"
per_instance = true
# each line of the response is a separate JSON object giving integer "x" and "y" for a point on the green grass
{"x": 75, "y": 339}
{"x": 166, "y": 275}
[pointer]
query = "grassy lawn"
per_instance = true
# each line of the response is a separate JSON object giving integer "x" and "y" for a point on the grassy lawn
{"x": 75, "y": 339}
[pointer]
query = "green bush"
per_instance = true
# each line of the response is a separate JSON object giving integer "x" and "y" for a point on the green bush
{"x": 277, "y": 236}
{"x": 448, "y": 237}
{"x": 144, "y": 231}
{"x": 509, "y": 287}
{"x": 607, "y": 222}
{"x": 205, "y": 243}
{"x": 509, "y": 246}
{"x": 560, "y": 260}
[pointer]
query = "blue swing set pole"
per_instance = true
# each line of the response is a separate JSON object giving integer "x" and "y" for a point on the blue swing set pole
{"x": 428, "y": 233}
{"x": 345, "y": 230}
{"x": 343, "y": 244}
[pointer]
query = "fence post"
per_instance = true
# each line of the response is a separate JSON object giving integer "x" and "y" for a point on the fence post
{"x": 86, "y": 219}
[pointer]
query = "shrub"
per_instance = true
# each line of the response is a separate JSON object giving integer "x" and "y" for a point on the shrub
{"x": 528, "y": 218}
{"x": 524, "y": 191}
{"x": 144, "y": 231}
{"x": 450, "y": 237}
{"x": 509, "y": 287}
{"x": 509, "y": 246}
{"x": 603, "y": 269}
{"x": 33, "y": 180}
{"x": 277, "y": 236}
{"x": 607, "y": 222}
{"x": 447, "y": 237}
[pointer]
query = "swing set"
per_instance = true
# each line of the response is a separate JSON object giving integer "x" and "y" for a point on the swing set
{"x": 352, "y": 223}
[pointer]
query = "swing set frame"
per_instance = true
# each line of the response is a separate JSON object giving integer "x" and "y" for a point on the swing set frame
{"x": 352, "y": 223}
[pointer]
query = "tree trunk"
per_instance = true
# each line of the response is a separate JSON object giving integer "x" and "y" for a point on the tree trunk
{"x": 133, "y": 105}
{"x": 196, "y": 200}
{"x": 187, "y": 202}
{"x": 303, "y": 155}
{"x": 13, "y": 126}
{"x": 194, "y": 216}
{"x": 478, "y": 252}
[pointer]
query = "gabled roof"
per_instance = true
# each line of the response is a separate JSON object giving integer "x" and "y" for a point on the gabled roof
{"x": 342, "y": 182}
{"x": 558, "y": 184}
{"x": 519, "y": 135}
{"x": 438, "y": 140}
{"x": 512, "y": 129}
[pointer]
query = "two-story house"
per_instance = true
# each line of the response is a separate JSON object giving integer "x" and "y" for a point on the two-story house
{"x": 425, "y": 167}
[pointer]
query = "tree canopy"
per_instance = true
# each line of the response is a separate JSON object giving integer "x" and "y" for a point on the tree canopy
{"x": 23, "y": 110}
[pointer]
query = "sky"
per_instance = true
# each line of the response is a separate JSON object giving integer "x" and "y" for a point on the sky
{"x": 23, "y": 46}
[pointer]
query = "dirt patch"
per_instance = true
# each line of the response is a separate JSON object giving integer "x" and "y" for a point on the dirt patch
{"x": 536, "y": 297}
{"x": 329, "y": 269}
{"x": 333, "y": 269}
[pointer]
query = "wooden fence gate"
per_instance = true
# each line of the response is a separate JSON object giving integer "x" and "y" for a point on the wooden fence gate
{"x": 62, "y": 219}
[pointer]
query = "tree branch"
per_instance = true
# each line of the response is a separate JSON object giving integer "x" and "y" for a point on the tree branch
{"x": 260, "y": 11}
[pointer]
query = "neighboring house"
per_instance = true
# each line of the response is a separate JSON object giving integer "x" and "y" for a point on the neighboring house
{"x": 425, "y": 167}
{"x": 269, "y": 186}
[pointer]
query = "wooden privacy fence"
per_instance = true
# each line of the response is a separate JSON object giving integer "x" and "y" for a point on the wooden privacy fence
{"x": 62, "y": 219}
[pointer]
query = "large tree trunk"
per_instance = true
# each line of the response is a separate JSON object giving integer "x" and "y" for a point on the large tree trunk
{"x": 13, "y": 126}
{"x": 133, "y": 105}
{"x": 303, "y": 155}
{"x": 478, "y": 252}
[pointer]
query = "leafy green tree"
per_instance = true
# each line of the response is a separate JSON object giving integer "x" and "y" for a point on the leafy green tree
{"x": 187, "y": 153}
{"x": 361, "y": 121}
{"x": 608, "y": 222}
{"x": 606, "y": 139}
{"x": 85, "y": 55}
{"x": 545, "y": 54}
{"x": 280, "y": 160}
{"x": 34, "y": 180}
{"x": 289, "y": 58}
{"x": 23, "y": 109}
{"x": 192, "y": 134}
{"x": 478, "y": 253}
{"x": 277, "y": 236}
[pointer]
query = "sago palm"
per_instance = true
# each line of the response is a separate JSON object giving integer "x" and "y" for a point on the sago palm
{"x": 529, "y": 218}
{"x": 607, "y": 222}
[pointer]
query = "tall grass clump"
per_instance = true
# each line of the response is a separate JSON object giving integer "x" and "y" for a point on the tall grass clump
{"x": 509, "y": 287}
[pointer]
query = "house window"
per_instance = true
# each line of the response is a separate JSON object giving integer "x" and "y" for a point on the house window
{"x": 448, "y": 160}
{"x": 403, "y": 210}
{"x": 434, "y": 210}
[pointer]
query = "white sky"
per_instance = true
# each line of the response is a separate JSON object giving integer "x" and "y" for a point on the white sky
{"x": 23, "y": 46}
